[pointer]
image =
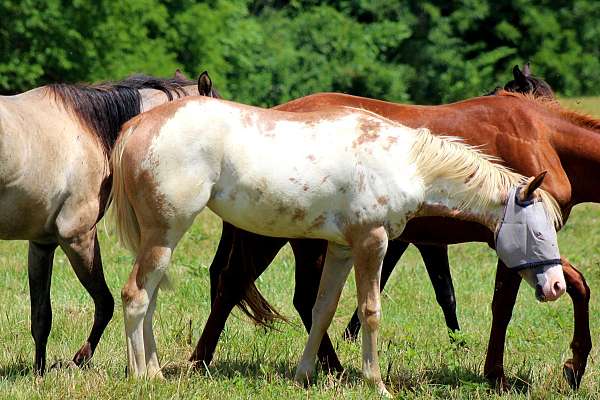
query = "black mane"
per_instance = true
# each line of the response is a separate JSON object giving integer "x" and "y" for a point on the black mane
{"x": 104, "y": 107}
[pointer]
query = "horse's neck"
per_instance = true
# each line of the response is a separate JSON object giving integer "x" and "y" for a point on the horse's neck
{"x": 446, "y": 199}
{"x": 579, "y": 151}
{"x": 153, "y": 98}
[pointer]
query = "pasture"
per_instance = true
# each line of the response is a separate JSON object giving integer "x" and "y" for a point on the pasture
{"x": 417, "y": 359}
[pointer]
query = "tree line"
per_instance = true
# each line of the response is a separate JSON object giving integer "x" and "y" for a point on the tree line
{"x": 267, "y": 52}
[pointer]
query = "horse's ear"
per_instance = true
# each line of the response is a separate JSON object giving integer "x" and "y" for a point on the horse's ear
{"x": 533, "y": 184}
{"x": 180, "y": 75}
{"x": 204, "y": 84}
{"x": 526, "y": 70}
{"x": 518, "y": 75}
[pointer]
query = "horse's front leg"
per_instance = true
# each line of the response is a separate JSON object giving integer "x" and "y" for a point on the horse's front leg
{"x": 581, "y": 344}
{"x": 438, "y": 269}
{"x": 83, "y": 252}
{"x": 338, "y": 263}
{"x": 310, "y": 255}
{"x": 505, "y": 295}
{"x": 395, "y": 250}
{"x": 40, "y": 272}
{"x": 369, "y": 250}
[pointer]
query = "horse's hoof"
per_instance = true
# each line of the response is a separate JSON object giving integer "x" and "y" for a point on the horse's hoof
{"x": 382, "y": 390}
{"x": 84, "y": 355}
{"x": 303, "y": 377}
{"x": 573, "y": 378}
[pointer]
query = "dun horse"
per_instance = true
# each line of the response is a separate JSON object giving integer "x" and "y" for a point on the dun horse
{"x": 484, "y": 122}
{"x": 54, "y": 182}
{"x": 344, "y": 175}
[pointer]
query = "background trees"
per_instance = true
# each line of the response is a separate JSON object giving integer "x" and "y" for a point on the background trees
{"x": 266, "y": 52}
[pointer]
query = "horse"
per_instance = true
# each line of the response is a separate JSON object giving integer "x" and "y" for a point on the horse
{"x": 555, "y": 144}
{"x": 55, "y": 179}
{"x": 343, "y": 174}
{"x": 525, "y": 83}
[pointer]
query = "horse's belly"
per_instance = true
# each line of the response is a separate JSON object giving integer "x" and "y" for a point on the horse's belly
{"x": 22, "y": 217}
{"x": 281, "y": 219}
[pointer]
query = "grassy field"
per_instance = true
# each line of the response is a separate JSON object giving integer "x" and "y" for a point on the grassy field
{"x": 417, "y": 358}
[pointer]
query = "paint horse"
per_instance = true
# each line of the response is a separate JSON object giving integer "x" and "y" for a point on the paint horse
{"x": 54, "y": 182}
{"x": 344, "y": 175}
{"x": 483, "y": 122}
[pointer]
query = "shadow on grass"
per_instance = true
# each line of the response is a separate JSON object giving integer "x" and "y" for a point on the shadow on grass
{"x": 442, "y": 378}
{"x": 14, "y": 370}
{"x": 454, "y": 377}
{"x": 228, "y": 369}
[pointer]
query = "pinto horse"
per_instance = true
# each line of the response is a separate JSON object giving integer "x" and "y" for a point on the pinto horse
{"x": 54, "y": 182}
{"x": 345, "y": 175}
{"x": 500, "y": 125}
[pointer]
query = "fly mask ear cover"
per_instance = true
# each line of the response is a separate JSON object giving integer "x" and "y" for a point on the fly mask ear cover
{"x": 526, "y": 238}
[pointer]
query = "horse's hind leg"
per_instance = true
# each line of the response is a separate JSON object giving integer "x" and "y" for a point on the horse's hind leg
{"x": 438, "y": 268}
{"x": 83, "y": 252}
{"x": 581, "y": 344}
{"x": 40, "y": 272}
{"x": 396, "y": 249}
{"x": 231, "y": 277}
{"x": 310, "y": 255}
{"x": 138, "y": 295}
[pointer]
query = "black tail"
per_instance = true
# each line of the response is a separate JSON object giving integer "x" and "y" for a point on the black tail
{"x": 249, "y": 256}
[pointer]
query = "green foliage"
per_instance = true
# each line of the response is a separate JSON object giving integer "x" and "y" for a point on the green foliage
{"x": 267, "y": 52}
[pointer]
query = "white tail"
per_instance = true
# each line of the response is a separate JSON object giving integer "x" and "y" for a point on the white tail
{"x": 128, "y": 228}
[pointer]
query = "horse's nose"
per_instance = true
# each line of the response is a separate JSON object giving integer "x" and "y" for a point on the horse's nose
{"x": 559, "y": 288}
{"x": 556, "y": 290}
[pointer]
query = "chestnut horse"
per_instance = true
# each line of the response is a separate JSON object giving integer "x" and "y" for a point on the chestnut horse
{"x": 554, "y": 138}
{"x": 342, "y": 174}
{"x": 55, "y": 180}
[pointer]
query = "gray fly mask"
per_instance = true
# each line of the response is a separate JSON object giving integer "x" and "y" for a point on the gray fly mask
{"x": 526, "y": 238}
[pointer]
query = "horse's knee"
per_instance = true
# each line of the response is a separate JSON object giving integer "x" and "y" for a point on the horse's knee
{"x": 371, "y": 317}
{"x": 135, "y": 300}
{"x": 446, "y": 300}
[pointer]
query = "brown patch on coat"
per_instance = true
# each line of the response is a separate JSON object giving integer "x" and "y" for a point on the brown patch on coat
{"x": 318, "y": 222}
{"x": 390, "y": 140}
{"x": 305, "y": 187}
{"x": 364, "y": 138}
{"x": 298, "y": 215}
{"x": 383, "y": 200}
{"x": 369, "y": 129}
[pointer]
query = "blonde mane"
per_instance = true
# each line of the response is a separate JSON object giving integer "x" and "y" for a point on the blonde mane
{"x": 447, "y": 157}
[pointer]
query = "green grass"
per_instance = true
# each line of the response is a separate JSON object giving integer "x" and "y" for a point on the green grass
{"x": 417, "y": 358}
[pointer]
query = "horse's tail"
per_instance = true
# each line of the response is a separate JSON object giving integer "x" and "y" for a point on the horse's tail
{"x": 128, "y": 227}
{"x": 242, "y": 269}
